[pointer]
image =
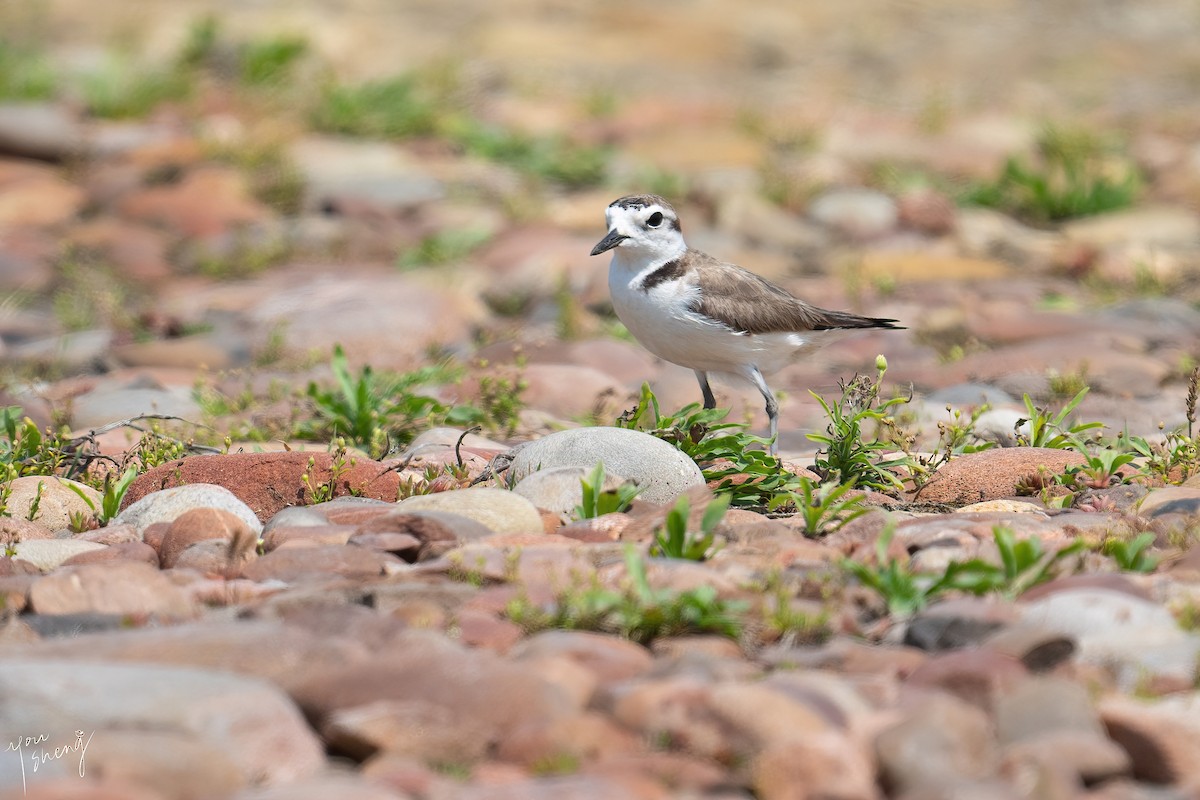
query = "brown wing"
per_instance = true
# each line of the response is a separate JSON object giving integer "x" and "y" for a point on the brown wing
{"x": 750, "y": 304}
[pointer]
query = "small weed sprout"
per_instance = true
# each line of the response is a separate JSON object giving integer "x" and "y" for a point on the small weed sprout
{"x": 597, "y": 501}
{"x": 676, "y": 540}
{"x": 370, "y": 409}
{"x": 1023, "y": 565}
{"x": 824, "y": 507}
{"x": 1053, "y": 431}
{"x": 36, "y": 504}
{"x": 1130, "y": 554}
{"x": 637, "y": 611}
{"x": 847, "y": 454}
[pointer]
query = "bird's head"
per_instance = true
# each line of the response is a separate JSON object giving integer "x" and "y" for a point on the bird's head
{"x": 645, "y": 223}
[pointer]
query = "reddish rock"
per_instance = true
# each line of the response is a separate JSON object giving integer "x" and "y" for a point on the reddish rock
{"x": 18, "y": 529}
{"x": 268, "y": 482}
{"x": 609, "y": 658}
{"x": 583, "y": 737}
{"x": 474, "y": 688}
{"x": 437, "y": 532}
{"x": 117, "y": 587}
{"x": 430, "y": 732}
{"x": 155, "y": 533}
{"x": 678, "y": 770}
{"x": 826, "y": 764}
{"x": 981, "y": 677}
{"x": 217, "y": 557}
{"x": 138, "y": 253}
{"x": 38, "y": 201}
{"x": 992, "y": 474}
{"x": 198, "y": 525}
{"x": 306, "y": 535}
{"x": 488, "y": 632}
{"x": 112, "y": 534}
{"x": 322, "y": 562}
{"x": 208, "y": 201}
{"x": 401, "y": 545}
{"x": 1161, "y": 738}
{"x": 928, "y": 211}
{"x": 281, "y": 653}
{"x": 124, "y": 551}
{"x": 939, "y": 740}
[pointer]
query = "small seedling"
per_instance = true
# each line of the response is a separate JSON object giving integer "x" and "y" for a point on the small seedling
{"x": 36, "y": 504}
{"x": 675, "y": 540}
{"x": 904, "y": 591}
{"x": 1046, "y": 430}
{"x": 637, "y": 611}
{"x": 326, "y": 490}
{"x": 1102, "y": 467}
{"x": 597, "y": 501}
{"x": 370, "y": 409}
{"x": 823, "y": 507}
{"x": 847, "y": 454}
{"x": 1130, "y": 555}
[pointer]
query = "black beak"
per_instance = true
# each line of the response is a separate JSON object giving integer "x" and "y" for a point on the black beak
{"x": 609, "y": 242}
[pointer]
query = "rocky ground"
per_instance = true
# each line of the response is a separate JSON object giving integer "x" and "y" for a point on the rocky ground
{"x": 269, "y": 612}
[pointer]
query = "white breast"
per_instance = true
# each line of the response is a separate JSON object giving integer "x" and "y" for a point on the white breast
{"x": 662, "y": 319}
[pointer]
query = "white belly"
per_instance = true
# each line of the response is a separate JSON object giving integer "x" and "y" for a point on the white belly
{"x": 662, "y": 320}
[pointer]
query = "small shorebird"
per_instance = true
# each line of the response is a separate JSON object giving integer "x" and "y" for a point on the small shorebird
{"x": 707, "y": 315}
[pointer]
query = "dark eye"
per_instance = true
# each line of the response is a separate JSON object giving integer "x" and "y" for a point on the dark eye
{"x": 655, "y": 219}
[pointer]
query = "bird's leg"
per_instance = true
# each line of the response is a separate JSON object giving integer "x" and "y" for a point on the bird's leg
{"x": 709, "y": 400}
{"x": 756, "y": 377}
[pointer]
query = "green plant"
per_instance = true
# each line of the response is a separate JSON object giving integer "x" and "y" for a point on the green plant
{"x": 794, "y": 625}
{"x": 824, "y": 507}
{"x": 80, "y": 521}
{"x": 448, "y": 246}
{"x": 955, "y": 437}
{"x": 113, "y": 491}
{"x": 597, "y": 501}
{"x": 1102, "y": 467}
{"x": 1130, "y": 554}
{"x": 555, "y": 158}
{"x": 122, "y": 89}
{"x": 274, "y": 179}
{"x": 637, "y": 611}
{"x": 498, "y": 403}
{"x": 25, "y": 73}
{"x": 1046, "y": 430}
{"x": 1075, "y": 175}
{"x": 370, "y": 408}
{"x": 271, "y": 61}
{"x": 395, "y": 108}
{"x": 1023, "y": 565}
{"x": 730, "y": 458}
{"x": 676, "y": 540}
{"x": 847, "y": 455}
{"x": 27, "y": 450}
{"x": 324, "y": 491}
{"x": 905, "y": 592}
{"x": 1067, "y": 384}
{"x": 36, "y": 504}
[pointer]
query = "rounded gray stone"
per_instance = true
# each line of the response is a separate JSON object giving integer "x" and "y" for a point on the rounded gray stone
{"x": 498, "y": 509}
{"x": 167, "y": 504}
{"x": 663, "y": 470}
{"x": 560, "y": 489}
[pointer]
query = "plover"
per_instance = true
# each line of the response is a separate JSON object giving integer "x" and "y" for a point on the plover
{"x": 704, "y": 314}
